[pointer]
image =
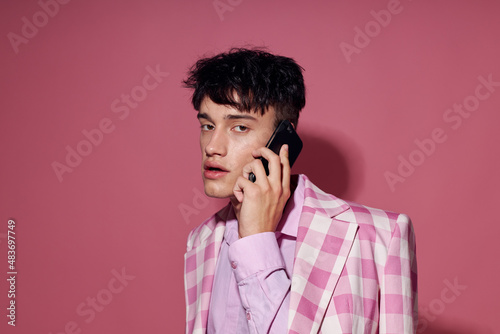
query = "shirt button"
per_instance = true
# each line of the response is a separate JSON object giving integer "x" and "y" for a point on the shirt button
{"x": 249, "y": 316}
{"x": 233, "y": 264}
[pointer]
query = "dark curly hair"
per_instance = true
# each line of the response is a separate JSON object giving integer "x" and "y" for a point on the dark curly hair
{"x": 250, "y": 80}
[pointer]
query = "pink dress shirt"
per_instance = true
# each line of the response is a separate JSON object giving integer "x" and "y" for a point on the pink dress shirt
{"x": 251, "y": 291}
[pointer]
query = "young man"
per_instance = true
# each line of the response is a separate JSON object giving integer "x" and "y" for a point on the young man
{"x": 283, "y": 256}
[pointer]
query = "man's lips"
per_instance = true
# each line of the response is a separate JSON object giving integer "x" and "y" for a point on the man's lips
{"x": 214, "y": 170}
{"x": 212, "y": 165}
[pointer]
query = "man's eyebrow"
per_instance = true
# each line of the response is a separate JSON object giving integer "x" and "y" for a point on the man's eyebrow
{"x": 250, "y": 117}
{"x": 202, "y": 115}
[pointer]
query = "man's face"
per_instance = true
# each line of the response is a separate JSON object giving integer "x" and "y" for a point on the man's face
{"x": 227, "y": 139}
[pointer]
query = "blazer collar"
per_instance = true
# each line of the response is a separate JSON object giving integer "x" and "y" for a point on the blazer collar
{"x": 323, "y": 245}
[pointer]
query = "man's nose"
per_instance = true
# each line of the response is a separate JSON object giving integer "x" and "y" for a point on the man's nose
{"x": 217, "y": 144}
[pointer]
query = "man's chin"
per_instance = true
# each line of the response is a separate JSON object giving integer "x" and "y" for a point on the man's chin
{"x": 217, "y": 192}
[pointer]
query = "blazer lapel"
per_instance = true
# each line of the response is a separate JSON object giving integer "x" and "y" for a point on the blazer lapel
{"x": 323, "y": 244}
{"x": 201, "y": 262}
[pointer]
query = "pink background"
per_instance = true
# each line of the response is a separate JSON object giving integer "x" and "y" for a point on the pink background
{"x": 121, "y": 207}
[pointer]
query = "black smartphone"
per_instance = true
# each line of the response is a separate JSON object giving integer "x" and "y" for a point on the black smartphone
{"x": 283, "y": 134}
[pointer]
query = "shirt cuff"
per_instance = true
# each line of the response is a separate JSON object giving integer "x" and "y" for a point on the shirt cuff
{"x": 255, "y": 253}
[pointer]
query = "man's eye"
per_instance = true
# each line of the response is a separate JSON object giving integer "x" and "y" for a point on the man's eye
{"x": 241, "y": 128}
{"x": 206, "y": 127}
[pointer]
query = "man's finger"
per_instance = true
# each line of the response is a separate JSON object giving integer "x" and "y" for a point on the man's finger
{"x": 239, "y": 188}
{"x": 274, "y": 164}
{"x": 285, "y": 163}
{"x": 257, "y": 168}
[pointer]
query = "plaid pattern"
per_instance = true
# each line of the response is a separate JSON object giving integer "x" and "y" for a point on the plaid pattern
{"x": 354, "y": 272}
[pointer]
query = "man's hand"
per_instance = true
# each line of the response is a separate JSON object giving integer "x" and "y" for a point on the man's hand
{"x": 262, "y": 202}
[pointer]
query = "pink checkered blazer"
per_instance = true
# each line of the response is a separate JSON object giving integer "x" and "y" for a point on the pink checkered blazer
{"x": 355, "y": 269}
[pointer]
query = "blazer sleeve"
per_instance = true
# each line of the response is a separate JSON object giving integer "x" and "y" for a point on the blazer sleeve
{"x": 398, "y": 287}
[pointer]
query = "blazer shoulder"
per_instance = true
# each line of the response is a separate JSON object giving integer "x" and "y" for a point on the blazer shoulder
{"x": 352, "y": 212}
{"x": 201, "y": 232}
{"x": 376, "y": 222}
